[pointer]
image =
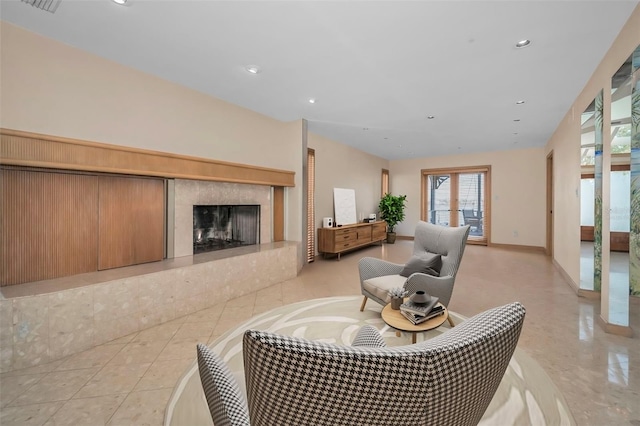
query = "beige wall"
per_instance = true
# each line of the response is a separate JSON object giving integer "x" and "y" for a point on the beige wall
{"x": 517, "y": 192}
{"x": 565, "y": 143}
{"x": 340, "y": 166}
{"x": 52, "y": 88}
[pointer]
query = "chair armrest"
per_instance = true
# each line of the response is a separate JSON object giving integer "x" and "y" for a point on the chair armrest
{"x": 441, "y": 287}
{"x": 368, "y": 336}
{"x": 370, "y": 267}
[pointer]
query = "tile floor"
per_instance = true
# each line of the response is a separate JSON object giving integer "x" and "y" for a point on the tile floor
{"x": 129, "y": 380}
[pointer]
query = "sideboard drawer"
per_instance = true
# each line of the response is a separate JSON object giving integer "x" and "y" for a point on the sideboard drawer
{"x": 346, "y": 235}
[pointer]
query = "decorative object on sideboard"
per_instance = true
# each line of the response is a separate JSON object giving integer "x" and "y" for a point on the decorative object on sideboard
{"x": 327, "y": 222}
{"x": 392, "y": 211}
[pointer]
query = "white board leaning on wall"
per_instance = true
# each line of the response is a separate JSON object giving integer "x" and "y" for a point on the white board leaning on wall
{"x": 344, "y": 206}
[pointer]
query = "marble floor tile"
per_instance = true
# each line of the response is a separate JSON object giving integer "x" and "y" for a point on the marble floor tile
{"x": 42, "y": 368}
{"x": 159, "y": 332}
{"x": 210, "y": 315}
{"x": 94, "y": 357}
{"x": 124, "y": 339}
{"x": 113, "y": 379}
{"x": 28, "y": 415}
{"x": 181, "y": 348}
{"x": 139, "y": 352}
{"x": 56, "y": 386}
{"x": 243, "y": 302}
{"x": 13, "y": 386}
{"x": 598, "y": 373}
{"x": 269, "y": 295}
{"x": 265, "y": 307}
{"x": 194, "y": 329}
{"x": 87, "y": 411}
{"x": 143, "y": 408}
{"x": 164, "y": 374}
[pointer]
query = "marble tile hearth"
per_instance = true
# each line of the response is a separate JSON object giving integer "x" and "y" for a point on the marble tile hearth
{"x": 47, "y": 320}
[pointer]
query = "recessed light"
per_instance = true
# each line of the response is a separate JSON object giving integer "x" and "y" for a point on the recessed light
{"x": 519, "y": 102}
{"x": 121, "y": 2}
{"x": 516, "y": 119}
{"x": 515, "y": 133}
{"x": 365, "y": 128}
{"x": 312, "y": 100}
{"x": 251, "y": 69}
{"x": 431, "y": 117}
{"x": 523, "y": 43}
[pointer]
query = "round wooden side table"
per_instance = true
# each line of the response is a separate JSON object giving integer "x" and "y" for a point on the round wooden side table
{"x": 393, "y": 318}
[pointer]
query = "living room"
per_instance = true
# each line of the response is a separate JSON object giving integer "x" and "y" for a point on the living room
{"x": 52, "y": 88}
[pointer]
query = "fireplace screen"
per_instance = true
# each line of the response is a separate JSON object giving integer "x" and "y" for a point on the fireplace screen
{"x": 223, "y": 227}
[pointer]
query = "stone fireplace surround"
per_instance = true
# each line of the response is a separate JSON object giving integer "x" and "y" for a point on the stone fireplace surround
{"x": 47, "y": 320}
{"x": 189, "y": 193}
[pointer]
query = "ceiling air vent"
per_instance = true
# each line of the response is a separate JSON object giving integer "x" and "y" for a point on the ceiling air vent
{"x": 48, "y": 5}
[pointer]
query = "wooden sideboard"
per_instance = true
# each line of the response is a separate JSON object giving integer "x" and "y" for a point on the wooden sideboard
{"x": 348, "y": 237}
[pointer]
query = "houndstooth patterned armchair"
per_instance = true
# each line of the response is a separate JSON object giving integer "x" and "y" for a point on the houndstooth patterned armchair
{"x": 448, "y": 380}
{"x": 378, "y": 276}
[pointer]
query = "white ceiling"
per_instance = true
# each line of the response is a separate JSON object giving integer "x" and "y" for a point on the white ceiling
{"x": 377, "y": 65}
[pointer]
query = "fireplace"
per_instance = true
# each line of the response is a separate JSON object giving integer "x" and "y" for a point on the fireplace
{"x": 219, "y": 227}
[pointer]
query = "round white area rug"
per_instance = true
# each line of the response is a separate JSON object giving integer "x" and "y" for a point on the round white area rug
{"x": 526, "y": 395}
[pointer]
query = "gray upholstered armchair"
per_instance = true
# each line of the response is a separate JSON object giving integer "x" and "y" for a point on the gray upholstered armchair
{"x": 437, "y": 252}
{"x": 447, "y": 380}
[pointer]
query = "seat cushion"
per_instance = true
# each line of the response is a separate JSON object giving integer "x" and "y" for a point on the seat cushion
{"x": 427, "y": 263}
{"x": 380, "y": 286}
{"x": 227, "y": 405}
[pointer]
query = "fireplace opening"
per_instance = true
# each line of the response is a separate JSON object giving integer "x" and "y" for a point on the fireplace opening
{"x": 225, "y": 226}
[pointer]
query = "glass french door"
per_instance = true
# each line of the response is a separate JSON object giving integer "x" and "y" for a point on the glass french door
{"x": 457, "y": 197}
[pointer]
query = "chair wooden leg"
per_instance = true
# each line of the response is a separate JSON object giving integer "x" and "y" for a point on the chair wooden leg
{"x": 450, "y": 321}
{"x": 364, "y": 302}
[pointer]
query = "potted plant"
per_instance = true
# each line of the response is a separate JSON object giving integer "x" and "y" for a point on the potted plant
{"x": 392, "y": 211}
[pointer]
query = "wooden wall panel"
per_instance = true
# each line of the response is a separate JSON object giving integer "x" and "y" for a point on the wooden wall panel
{"x": 131, "y": 212}
{"x": 278, "y": 213}
{"x": 618, "y": 241}
{"x": 20, "y": 148}
{"x": 48, "y": 225}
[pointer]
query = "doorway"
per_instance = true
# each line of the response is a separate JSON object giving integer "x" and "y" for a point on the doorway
{"x": 457, "y": 197}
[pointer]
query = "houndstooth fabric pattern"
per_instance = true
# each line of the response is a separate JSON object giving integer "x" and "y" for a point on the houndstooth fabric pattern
{"x": 226, "y": 403}
{"x": 443, "y": 240}
{"x": 447, "y": 380}
{"x": 468, "y": 363}
{"x": 369, "y": 336}
{"x": 449, "y": 243}
{"x": 370, "y": 267}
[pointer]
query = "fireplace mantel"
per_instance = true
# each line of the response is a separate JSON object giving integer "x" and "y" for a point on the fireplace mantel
{"x": 21, "y": 148}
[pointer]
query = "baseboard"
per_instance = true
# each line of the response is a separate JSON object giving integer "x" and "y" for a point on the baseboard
{"x": 575, "y": 287}
{"x": 589, "y": 294}
{"x": 536, "y": 249}
{"x": 619, "y": 330}
{"x": 404, "y": 237}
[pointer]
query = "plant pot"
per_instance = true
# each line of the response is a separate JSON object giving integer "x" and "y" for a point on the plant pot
{"x": 391, "y": 237}
{"x": 396, "y": 302}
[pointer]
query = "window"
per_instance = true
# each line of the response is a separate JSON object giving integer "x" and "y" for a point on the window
{"x": 385, "y": 182}
{"x": 311, "y": 205}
